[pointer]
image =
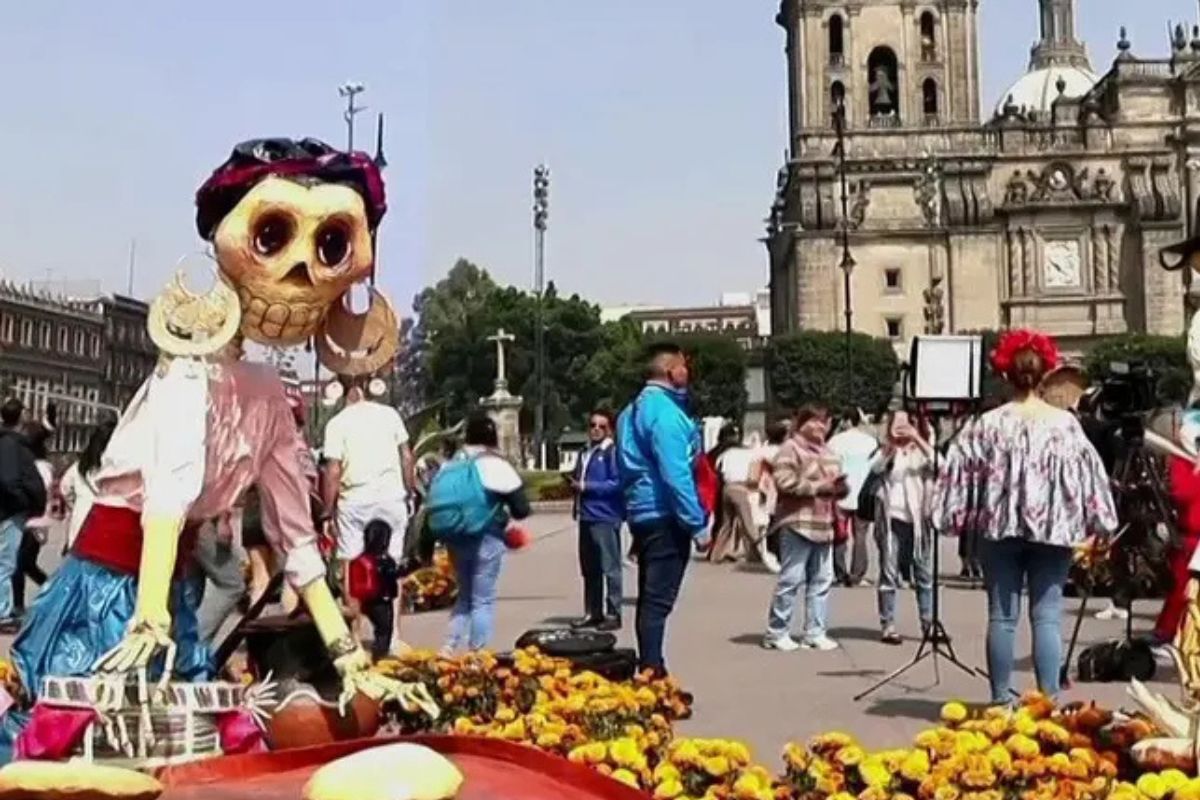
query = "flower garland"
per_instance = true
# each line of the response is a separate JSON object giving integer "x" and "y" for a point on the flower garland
{"x": 1016, "y": 341}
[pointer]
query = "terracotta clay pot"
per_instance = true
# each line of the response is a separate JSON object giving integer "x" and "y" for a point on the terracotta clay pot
{"x": 304, "y": 719}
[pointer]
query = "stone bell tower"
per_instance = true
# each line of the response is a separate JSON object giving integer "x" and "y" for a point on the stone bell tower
{"x": 894, "y": 63}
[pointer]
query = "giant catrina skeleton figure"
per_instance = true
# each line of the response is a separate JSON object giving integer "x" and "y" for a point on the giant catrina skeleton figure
{"x": 291, "y": 224}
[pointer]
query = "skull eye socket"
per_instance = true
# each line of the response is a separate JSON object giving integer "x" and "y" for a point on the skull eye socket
{"x": 272, "y": 233}
{"x": 333, "y": 244}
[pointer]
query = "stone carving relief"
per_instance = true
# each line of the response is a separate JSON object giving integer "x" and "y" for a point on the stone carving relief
{"x": 1153, "y": 188}
{"x": 1059, "y": 183}
{"x": 860, "y": 200}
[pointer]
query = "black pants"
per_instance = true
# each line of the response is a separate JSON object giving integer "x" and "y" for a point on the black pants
{"x": 382, "y": 614}
{"x": 664, "y": 549}
{"x": 27, "y": 557}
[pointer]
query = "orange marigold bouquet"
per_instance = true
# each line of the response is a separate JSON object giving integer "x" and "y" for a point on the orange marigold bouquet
{"x": 430, "y": 588}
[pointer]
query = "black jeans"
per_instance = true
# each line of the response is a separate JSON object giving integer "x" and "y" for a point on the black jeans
{"x": 27, "y": 564}
{"x": 664, "y": 549}
{"x": 382, "y": 614}
{"x": 600, "y": 564}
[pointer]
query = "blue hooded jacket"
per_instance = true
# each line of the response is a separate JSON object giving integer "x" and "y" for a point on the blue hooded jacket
{"x": 657, "y": 444}
{"x": 601, "y": 499}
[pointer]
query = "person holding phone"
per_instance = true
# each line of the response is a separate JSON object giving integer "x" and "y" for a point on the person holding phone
{"x": 809, "y": 480}
{"x": 902, "y": 529}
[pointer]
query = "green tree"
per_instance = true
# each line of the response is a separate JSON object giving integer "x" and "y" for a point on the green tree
{"x": 810, "y": 367}
{"x": 1166, "y": 356}
{"x": 718, "y": 367}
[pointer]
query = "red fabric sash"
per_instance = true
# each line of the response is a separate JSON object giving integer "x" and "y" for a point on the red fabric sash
{"x": 112, "y": 537}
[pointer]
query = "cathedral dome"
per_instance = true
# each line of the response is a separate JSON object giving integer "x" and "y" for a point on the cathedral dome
{"x": 1037, "y": 89}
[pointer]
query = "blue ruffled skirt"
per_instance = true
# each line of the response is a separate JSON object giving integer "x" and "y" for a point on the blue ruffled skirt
{"x": 80, "y": 614}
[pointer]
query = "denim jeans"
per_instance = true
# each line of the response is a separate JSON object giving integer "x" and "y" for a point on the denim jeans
{"x": 808, "y": 564}
{"x": 1007, "y": 565}
{"x": 663, "y": 550}
{"x": 477, "y": 568}
{"x": 11, "y": 531}
{"x": 600, "y": 563}
{"x": 893, "y": 543}
{"x": 219, "y": 579}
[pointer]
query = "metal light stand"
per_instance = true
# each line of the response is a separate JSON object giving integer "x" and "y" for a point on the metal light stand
{"x": 847, "y": 265}
{"x": 935, "y": 640}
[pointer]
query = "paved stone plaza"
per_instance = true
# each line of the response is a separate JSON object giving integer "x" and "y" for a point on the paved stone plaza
{"x": 765, "y": 697}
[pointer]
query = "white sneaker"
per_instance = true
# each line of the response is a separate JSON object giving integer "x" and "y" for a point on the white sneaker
{"x": 822, "y": 643}
{"x": 784, "y": 644}
{"x": 1111, "y": 612}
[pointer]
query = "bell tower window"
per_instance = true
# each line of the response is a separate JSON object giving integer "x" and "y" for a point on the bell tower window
{"x": 929, "y": 48}
{"x": 882, "y": 78}
{"x": 929, "y": 98}
{"x": 837, "y": 95}
{"x": 837, "y": 40}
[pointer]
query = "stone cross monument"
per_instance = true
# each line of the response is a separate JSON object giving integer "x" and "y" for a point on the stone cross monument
{"x": 503, "y": 407}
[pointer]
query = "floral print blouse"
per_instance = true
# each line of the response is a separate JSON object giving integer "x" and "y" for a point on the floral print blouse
{"x": 1013, "y": 476}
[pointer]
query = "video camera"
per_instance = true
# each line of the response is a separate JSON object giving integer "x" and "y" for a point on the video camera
{"x": 1127, "y": 388}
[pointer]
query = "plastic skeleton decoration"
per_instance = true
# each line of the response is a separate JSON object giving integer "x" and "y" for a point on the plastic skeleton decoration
{"x": 291, "y": 225}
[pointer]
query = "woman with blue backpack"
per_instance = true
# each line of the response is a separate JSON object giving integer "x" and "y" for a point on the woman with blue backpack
{"x": 471, "y": 500}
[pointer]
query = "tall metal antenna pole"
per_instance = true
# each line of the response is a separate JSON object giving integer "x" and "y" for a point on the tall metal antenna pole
{"x": 132, "y": 261}
{"x": 351, "y": 90}
{"x": 541, "y": 215}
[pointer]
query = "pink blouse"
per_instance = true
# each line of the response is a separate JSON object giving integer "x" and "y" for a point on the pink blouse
{"x": 196, "y": 436}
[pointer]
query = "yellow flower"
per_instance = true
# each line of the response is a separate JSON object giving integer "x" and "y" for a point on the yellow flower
{"x": 927, "y": 739}
{"x": 626, "y": 777}
{"x": 1124, "y": 791}
{"x": 915, "y": 766}
{"x": 947, "y": 791}
{"x": 841, "y": 796}
{"x": 1188, "y": 791}
{"x": 1152, "y": 786}
{"x": 668, "y": 790}
{"x": 874, "y": 773}
{"x": 849, "y": 756}
{"x": 953, "y": 713}
{"x": 999, "y": 757}
{"x": 752, "y": 785}
{"x": 685, "y": 752}
{"x": 831, "y": 741}
{"x": 717, "y": 766}
{"x": 626, "y": 753}
{"x": 1022, "y": 746}
{"x": 666, "y": 772}
{"x": 1173, "y": 779}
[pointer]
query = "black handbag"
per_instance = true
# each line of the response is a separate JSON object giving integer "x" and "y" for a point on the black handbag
{"x": 869, "y": 493}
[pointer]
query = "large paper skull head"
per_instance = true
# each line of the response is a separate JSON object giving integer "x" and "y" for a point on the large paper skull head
{"x": 291, "y": 224}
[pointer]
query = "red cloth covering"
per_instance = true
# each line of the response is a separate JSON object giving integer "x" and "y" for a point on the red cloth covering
{"x": 240, "y": 734}
{"x": 53, "y": 733}
{"x": 112, "y": 537}
{"x": 1184, "y": 485}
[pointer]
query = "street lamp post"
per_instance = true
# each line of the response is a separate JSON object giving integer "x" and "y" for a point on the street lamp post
{"x": 350, "y": 90}
{"x": 541, "y": 215}
{"x": 847, "y": 265}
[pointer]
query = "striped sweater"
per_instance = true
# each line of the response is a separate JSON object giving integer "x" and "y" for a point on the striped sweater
{"x": 799, "y": 470}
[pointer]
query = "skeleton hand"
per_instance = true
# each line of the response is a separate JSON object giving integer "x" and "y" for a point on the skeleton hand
{"x": 358, "y": 677}
{"x": 143, "y": 641}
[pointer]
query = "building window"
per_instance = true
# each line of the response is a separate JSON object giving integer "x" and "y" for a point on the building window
{"x": 6, "y": 328}
{"x": 883, "y": 79}
{"x": 929, "y": 98}
{"x": 27, "y": 332}
{"x": 837, "y": 40}
{"x": 837, "y": 96}
{"x": 44, "y": 338}
{"x": 894, "y": 327}
{"x": 929, "y": 37}
{"x": 62, "y": 339}
{"x": 892, "y": 283}
{"x": 95, "y": 346}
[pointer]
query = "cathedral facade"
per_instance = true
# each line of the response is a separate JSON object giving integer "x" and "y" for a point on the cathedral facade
{"x": 1044, "y": 209}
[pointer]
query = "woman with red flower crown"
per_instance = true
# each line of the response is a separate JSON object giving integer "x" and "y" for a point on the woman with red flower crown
{"x": 1025, "y": 477}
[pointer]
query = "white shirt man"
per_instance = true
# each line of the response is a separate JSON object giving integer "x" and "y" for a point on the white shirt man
{"x": 855, "y": 447}
{"x": 370, "y": 465}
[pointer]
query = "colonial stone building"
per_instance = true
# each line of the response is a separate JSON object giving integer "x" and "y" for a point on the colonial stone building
{"x": 85, "y": 356}
{"x": 1046, "y": 210}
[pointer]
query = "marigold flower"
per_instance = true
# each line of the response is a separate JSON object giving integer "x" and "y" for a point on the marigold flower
{"x": 849, "y": 756}
{"x": 1190, "y": 790}
{"x": 1022, "y": 746}
{"x": 954, "y": 713}
{"x": 1152, "y": 786}
{"x": 874, "y": 773}
{"x": 1173, "y": 779}
{"x": 915, "y": 766}
{"x": 626, "y": 777}
{"x": 717, "y": 766}
{"x": 947, "y": 791}
{"x": 668, "y": 790}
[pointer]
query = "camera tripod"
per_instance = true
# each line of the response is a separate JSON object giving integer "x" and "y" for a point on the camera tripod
{"x": 935, "y": 641}
{"x": 1141, "y": 501}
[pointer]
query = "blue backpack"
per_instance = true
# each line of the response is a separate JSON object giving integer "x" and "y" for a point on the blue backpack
{"x": 460, "y": 507}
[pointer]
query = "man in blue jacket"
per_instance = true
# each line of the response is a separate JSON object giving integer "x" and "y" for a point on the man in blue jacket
{"x": 657, "y": 446}
{"x": 600, "y": 508}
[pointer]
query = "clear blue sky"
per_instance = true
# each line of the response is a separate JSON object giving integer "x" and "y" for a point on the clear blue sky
{"x": 663, "y": 123}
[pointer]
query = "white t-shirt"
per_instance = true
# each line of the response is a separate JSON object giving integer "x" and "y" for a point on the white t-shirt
{"x": 734, "y": 464}
{"x": 854, "y": 447}
{"x": 366, "y": 438}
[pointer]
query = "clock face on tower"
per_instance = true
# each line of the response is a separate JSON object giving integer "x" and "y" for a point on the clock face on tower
{"x": 1060, "y": 269}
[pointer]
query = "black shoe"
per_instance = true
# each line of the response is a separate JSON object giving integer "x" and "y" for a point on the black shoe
{"x": 586, "y": 622}
{"x": 609, "y": 624}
